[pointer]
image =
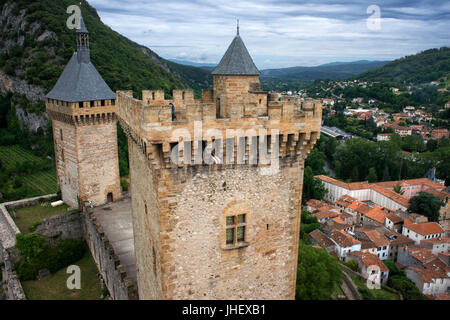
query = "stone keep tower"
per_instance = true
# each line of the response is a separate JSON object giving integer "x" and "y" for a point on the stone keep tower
{"x": 218, "y": 224}
{"x": 83, "y": 112}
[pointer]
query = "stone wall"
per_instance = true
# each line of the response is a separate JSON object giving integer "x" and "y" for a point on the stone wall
{"x": 66, "y": 158}
{"x": 113, "y": 273}
{"x": 348, "y": 281}
{"x": 180, "y": 214}
{"x": 62, "y": 227}
{"x": 10, "y": 282}
{"x": 8, "y": 228}
{"x": 98, "y": 161}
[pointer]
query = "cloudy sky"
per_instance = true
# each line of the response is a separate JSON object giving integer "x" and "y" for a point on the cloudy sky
{"x": 281, "y": 33}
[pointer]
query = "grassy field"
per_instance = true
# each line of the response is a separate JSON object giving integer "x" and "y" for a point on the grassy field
{"x": 55, "y": 287}
{"x": 28, "y": 215}
{"x": 10, "y": 155}
{"x": 42, "y": 182}
{"x": 379, "y": 294}
{"x": 39, "y": 183}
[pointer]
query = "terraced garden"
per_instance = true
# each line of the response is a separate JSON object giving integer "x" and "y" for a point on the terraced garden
{"x": 36, "y": 174}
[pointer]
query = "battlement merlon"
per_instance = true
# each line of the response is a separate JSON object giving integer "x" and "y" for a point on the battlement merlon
{"x": 156, "y": 131}
{"x": 81, "y": 113}
{"x": 158, "y": 115}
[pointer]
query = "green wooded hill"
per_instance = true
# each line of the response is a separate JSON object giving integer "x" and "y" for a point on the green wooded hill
{"x": 335, "y": 70}
{"x": 37, "y": 44}
{"x": 426, "y": 66}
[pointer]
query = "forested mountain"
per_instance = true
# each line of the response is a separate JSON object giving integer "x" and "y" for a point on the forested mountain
{"x": 35, "y": 45}
{"x": 426, "y": 66}
{"x": 335, "y": 70}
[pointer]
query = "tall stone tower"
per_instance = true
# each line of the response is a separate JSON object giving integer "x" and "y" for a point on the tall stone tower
{"x": 83, "y": 112}
{"x": 212, "y": 218}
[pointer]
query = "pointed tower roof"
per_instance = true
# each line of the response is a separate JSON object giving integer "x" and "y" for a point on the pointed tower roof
{"x": 80, "y": 80}
{"x": 82, "y": 28}
{"x": 237, "y": 60}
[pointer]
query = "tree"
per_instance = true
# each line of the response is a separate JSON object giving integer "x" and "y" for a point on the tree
{"x": 318, "y": 274}
{"x": 372, "y": 177}
{"x": 313, "y": 188}
{"x": 355, "y": 175}
{"x": 386, "y": 176}
{"x": 425, "y": 204}
{"x": 316, "y": 161}
{"x": 337, "y": 168}
{"x": 431, "y": 145}
{"x": 404, "y": 170}
{"x": 398, "y": 188}
{"x": 413, "y": 143}
{"x": 406, "y": 287}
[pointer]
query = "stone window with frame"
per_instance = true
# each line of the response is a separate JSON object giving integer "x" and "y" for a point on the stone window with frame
{"x": 236, "y": 229}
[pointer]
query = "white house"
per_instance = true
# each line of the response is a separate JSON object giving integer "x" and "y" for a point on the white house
{"x": 437, "y": 245}
{"x": 423, "y": 231}
{"x": 370, "y": 265}
{"x": 345, "y": 243}
{"x": 433, "y": 278}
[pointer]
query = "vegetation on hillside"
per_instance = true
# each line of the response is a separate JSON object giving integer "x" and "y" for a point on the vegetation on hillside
{"x": 326, "y": 71}
{"x": 359, "y": 160}
{"x": 398, "y": 281}
{"x": 427, "y": 66}
{"x": 121, "y": 62}
{"x": 318, "y": 274}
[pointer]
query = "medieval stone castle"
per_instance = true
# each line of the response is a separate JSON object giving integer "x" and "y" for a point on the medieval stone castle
{"x": 219, "y": 227}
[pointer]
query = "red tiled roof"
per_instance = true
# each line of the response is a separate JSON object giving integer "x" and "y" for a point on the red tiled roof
{"x": 394, "y": 218}
{"x": 391, "y": 195}
{"x": 322, "y": 214}
{"x": 321, "y": 238}
{"x": 423, "y": 255}
{"x": 437, "y": 240}
{"x": 442, "y": 296}
{"x": 315, "y": 203}
{"x": 377, "y": 238}
{"x": 369, "y": 259}
{"x": 376, "y": 214}
{"x": 425, "y": 228}
{"x": 343, "y": 239}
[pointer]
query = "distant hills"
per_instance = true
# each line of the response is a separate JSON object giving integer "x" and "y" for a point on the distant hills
{"x": 426, "y": 66}
{"x": 334, "y": 70}
{"x": 194, "y": 64}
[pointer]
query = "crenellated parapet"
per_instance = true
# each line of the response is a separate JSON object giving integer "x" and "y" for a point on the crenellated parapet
{"x": 82, "y": 113}
{"x": 158, "y": 126}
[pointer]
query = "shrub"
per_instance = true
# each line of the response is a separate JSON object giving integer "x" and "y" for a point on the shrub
{"x": 406, "y": 287}
{"x": 352, "y": 264}
{"x": 366, "y": 294}
{"x": 34, "y": 225}
{"x": 29, "y": 245}
{"x": 124, "y": 184}
{"x": 52, "y": 258}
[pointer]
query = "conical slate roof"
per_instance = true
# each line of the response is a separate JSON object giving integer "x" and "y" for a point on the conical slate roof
{"x": 236, "y": 61}
{"x": 82, "y": 28}
{"x": 80, "y": 81}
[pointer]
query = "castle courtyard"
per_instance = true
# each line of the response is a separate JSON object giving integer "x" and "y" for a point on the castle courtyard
{"x": 116, "y": 220}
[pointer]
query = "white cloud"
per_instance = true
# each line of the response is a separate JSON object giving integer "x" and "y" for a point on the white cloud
{"x": 278, "y": 33}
